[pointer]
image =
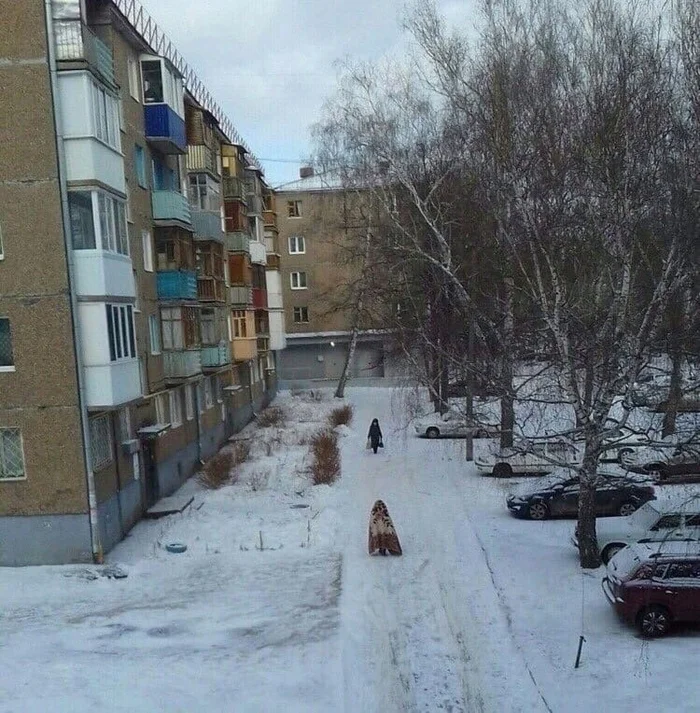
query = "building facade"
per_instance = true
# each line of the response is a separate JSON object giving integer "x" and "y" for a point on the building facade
{"x": 145, "y": 211}
{"x": 316, "y": 242}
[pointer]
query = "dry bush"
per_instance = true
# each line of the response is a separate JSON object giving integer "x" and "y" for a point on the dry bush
{"x": 258, "y": 480}
{"x": 325, "y": 467}
{"x": 221, "y": 469}
{"x": 341, "y": 416}
{"x": 272, "y": 416}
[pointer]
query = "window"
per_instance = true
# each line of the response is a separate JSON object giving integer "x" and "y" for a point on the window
{"x": 301, "y": 315}
{"x": 147, "y": 243}
{"x": 161, "y": 409}
{"x": 113, "y": 234}
{"x": 298, "y": 280}
{"x": 11, "y": 454}
{"x": 105, "y": 117}
{"x": 179, "y": 326}
{"x": 668, "y": 522}
{"x": 152, "y": 82}
{"x": 137, "y": 302}
{"x": 240, "y": 331}
{"x": 154, "y": 334}
{"x": 681, "y": 570}
{"x": 189, "y": 401}
{"x": 204, "y": 193}
{"x": 297, "y": 245}
{"x": 140, "y": 165}
{"x": 100, "y": 442}
{"x": 125, "y": 424}
{"x": 82, "y": 222}
{"x": 175, "y": 408}
{"x": 7, "y": 362}
{"x": 294, "y": 209}
{"x": 208, "y": 399}
{"x": 134, "y": 88}
{"x": 120, "y": 330}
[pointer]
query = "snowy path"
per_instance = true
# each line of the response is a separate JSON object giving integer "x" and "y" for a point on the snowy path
{"x": 425, "y": 632}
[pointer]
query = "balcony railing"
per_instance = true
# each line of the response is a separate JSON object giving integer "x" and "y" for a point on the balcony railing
{"x": 165, "y": 129}
{"x": 233, "y": 188}
{"x": 182, "y": 364}
{"x": 244, "y": 349}
{"x": 209, "y": 289}
{"x": 273, "y": 261}
{"x": 202, "y": 158}
{"x": 259, "y": 298}
{"x": 240, "y": 295}
{"x": 176, "y": 285}
{"x": 207, "y": 225}
{"x": 214, "y": 356}
{"x": 270, "y": 219}
{"x": 76, "y": 42}
{"x": 170, "y": 205}
{"x": 238, "y": 242}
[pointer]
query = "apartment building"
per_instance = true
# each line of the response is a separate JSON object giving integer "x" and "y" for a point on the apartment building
{"x": 316, "y": 270}
{"x": 134, "y": 327}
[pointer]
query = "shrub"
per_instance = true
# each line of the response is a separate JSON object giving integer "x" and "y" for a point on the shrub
{"x": 221, "y": 469}
{"x": 340, "y": 416}
{"x": 273, "y": 416}
{"x": 325, "y": 467}
{"x": 258, "y": 480}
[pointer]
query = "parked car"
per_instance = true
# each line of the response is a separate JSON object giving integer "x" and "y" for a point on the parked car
{"x": 528, "y": 459}
{"x": 453, "y": 425}
{"x": 667, "y": 463}
{"x": 650, "y": 523}
{"x": 615, "y": 495}
{"x": 622, "y": 443}
{"x": 654, "y": 585}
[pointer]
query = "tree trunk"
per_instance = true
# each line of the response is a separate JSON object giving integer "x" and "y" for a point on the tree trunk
{"x": 675, "y": 347}
{"x": 444, "y": 386}
{"x": 587, "y": 539}
{"x": 469, "y": 406}
{"x": 587, "y": 390}
{"x": 340, "y": 391}
{"x": 507, "y": 400}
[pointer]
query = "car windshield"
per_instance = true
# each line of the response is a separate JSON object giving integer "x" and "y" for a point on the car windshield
{"x": 644, "y": 517}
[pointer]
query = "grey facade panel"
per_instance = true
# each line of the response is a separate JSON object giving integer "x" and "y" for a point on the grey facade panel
{"x": 323, "y": 361}
{"x": 45, "y": 539}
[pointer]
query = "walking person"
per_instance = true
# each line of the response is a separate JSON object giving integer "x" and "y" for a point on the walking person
{"x": 374, "y": 437}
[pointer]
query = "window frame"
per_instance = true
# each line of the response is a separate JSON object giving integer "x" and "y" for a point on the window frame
{"x": 301, "y": 314}
{"x": 147, "y": 247}
{"x": 189, "y": 402}
{"x": 162, "y": 415}
{"x": 6, "y": 368}
{"x": 295, "y": 240}
{"x": 155, "y": 341}
{"x": 175, "y": 408}
{"x": 294, "y": 209}
{"x": 140, "y": 166}
{"x": 134, "y": 76}
{"x": 12, "y": 478}
{"x": 298, "y": 286}
{"x": 121, "y": 332}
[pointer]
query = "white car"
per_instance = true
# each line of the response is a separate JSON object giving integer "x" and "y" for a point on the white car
{"x": 652, "y": 522}
{"x": 531, "y": 459}
{"x": 453, "y": 424}
{"x": 622, "y": 444}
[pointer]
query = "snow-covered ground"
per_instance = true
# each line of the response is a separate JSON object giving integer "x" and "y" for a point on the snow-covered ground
{"x": 482, "y": 613}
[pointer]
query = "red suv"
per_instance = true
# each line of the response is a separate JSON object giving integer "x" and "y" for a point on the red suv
{"x": 654, "y": 585}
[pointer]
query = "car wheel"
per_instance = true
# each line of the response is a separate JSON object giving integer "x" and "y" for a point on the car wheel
{"x": 626, "y": 509}
{"x": 538, "y": 511}
{"x": 654, "y": 621}
{"x": 622, "y": 455}
{"x": 654, "y": 468}
{"x": 609, "y": 551}
{"x": 432, "y": 433}
{"x": 502, "y": 470}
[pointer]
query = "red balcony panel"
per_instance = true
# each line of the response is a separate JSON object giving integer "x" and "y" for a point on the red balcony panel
{"x": 259, "y": 298}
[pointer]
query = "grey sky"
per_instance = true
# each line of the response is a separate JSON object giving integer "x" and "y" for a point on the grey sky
{"x": 270, "y": 64}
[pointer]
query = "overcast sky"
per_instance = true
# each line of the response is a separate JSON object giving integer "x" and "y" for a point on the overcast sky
{"x": 270, "y": 64}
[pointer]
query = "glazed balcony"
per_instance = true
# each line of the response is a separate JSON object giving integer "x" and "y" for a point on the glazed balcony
{"x": 207, "y": 225}
{"x": 75, "y": 42}
{"x": 182, "y": 364}
{"x": 270, "y": 219}
{"x": 170, "y": 206}
{"x": 240, "y": 295}
{"x": 216, "y": 356}
{"x": 211, "y": 289}
{"x": 263, "y": 343}
{"x": 237, "y": 242}
{"x": 165, "y": 130}
{"x": 202, "y": 158}
{"x": 271, "y": 244}
{"x": 177, "y": 285}
{"x": 244, "y": 349}
{"x": 233, "y": 188}
{"x": 259, "y": 298}
{"x": 258, "y": 253}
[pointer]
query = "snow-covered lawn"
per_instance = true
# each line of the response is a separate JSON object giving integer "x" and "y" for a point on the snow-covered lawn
{"x": 482, "y": 613}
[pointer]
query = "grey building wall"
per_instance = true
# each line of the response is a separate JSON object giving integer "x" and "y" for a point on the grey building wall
{"x": 320, "y": 360}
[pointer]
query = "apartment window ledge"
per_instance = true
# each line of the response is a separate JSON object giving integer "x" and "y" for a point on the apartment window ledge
{"x": 7, "y": 369}
{"x": 13, "y": 480}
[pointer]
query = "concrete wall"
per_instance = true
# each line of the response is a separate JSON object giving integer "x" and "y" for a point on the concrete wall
{"x": 323, "y": 361}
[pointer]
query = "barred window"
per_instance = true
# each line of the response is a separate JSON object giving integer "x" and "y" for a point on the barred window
{"x": 11, "y": 456}
{"x": 100, "y": 442}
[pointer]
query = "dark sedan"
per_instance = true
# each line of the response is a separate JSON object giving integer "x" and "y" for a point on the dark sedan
{"x": 614, "y": 496}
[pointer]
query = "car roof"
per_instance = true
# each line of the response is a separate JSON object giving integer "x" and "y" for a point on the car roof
{"x": 661, "y": 551}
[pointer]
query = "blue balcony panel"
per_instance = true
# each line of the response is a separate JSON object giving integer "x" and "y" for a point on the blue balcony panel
{"x": 177, "y": 285}
{"x": 170, "y": 205}
{"x": 165, "y": 129}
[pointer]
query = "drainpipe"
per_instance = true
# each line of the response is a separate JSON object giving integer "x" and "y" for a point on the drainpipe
{"x": 97, "y": 553}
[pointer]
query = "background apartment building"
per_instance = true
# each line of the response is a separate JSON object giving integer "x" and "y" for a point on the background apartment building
{"x": 135, "y": 331}
{"x": 316, "y": 242}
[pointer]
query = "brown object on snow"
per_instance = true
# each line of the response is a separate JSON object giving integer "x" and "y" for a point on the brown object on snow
{"x": 383, "y": 539}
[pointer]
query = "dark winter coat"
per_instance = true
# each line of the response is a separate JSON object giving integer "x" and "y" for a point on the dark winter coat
{"x": 375, "y": 433}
